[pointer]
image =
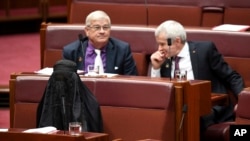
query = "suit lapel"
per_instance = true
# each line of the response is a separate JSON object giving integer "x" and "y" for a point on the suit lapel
{"x": 81, "y": 54}
{"x": 194, "y": 59}
{"x": 110, "y": 56}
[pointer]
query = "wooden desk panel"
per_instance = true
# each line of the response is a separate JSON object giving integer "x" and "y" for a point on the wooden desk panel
{"x": 17, "y": 135}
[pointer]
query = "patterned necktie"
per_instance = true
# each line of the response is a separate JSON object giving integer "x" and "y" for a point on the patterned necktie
{"x": 176, "y": 68}
{"x": 98, "y": 61}
{"x": 177, "y": 59}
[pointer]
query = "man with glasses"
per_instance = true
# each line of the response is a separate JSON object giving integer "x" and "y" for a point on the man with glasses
{"x": 116, "y": 55}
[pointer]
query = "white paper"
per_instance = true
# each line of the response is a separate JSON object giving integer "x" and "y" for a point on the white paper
{"x": 45, "y": 71}
{"x": 49, "y": 71}
{"x": 231, "y": 27}
{"x": 101, "y": 75}
{"x": 110, "y": 74}
{"x": 4, "y": 130}
{"x": 44, "y": 130}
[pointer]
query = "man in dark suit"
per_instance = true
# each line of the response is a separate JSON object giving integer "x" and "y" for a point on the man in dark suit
{"x": 115, "y": 54}
{"x": 201, "y": 61}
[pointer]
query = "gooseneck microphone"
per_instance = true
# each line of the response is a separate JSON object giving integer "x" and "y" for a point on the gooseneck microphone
{"x": 184, "y": 111}
{"x": 64, "y": 113}
{"x": 169, "y": 41}
{"x": 81, "y": 52}
{"x": 80, "y": 37}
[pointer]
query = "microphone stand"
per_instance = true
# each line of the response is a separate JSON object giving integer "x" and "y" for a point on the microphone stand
{"x": 81, "y": 42}
{"x": 184, "y": 110}
{"x": 169, "y": 40}
{"x": 80, "y": 37}
{"x": 64, "y": 113}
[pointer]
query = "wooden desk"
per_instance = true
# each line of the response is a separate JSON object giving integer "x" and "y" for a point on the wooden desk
{"x": 4, "y": 89}
{"x": 17, "y": 135}
{"x": 216, "y": 99}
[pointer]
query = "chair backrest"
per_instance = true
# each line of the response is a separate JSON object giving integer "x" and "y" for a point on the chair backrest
{"x": 236, "y": 12}
{"x": 242, "y": 112}
{"x": 138, "y": 110}
{"x": 164, "y": 10}
{"x": 118, "y": 11}
{"x": 25, "y": 94}
{"x": 141, "y": 12}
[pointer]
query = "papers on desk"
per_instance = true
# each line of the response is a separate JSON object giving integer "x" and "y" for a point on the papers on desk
{"x": 45, "y": 71}
{"x": 49, "y": 71}
{"x": 232, "y": 27}
{"x": 101, "y": 75}
{"x": 44, "y": 130}
{"x": 4, "y": 130}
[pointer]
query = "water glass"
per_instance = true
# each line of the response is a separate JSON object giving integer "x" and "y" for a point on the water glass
{"x": 75, "y": 128}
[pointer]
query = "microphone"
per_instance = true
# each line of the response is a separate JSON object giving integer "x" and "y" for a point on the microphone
{"x": 169, "y": 41}
{"x": 80, "y": 37}
{"x": 64, "y": 113}
{"x": 184, "y": 110}
{"x": 81, "y": 49}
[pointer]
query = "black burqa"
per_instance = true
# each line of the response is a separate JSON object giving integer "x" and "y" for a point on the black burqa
{"x": 66, "y": 93}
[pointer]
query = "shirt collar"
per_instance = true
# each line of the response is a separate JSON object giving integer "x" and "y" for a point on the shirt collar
{"x": 184, "y": 52}
{"x": 91, "y": 49}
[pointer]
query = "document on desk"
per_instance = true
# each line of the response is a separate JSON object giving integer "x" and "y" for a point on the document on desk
{"x": 44, "y": 130}
{"x": 101, "y": 75}
{"x": 232, "y": 27}
{"x": 49, "y": 71}
{"x": 4, "y": 130}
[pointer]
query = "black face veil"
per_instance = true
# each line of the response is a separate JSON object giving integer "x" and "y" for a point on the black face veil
{"x": 66, "y": 99}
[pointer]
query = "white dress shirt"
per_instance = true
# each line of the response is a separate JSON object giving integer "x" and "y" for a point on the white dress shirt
{"x": 184, "y": 64}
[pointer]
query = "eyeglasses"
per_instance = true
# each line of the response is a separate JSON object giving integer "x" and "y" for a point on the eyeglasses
{"x": 98, "y": 28}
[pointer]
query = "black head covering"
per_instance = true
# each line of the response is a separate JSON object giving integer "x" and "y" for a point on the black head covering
{"x": 67, "y": 99}
{"x": 65, "y": 65}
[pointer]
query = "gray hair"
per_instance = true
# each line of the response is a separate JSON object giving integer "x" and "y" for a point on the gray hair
{"x": 172, "y": 29}
{"x": 96, "y": 15}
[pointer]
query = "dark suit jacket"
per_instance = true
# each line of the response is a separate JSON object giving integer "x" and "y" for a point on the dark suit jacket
{"x": 208, "y": 64}
{"x": 119, "y": 57}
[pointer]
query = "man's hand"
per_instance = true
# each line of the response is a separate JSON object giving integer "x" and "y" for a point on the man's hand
{"x": 157, "y": 59}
